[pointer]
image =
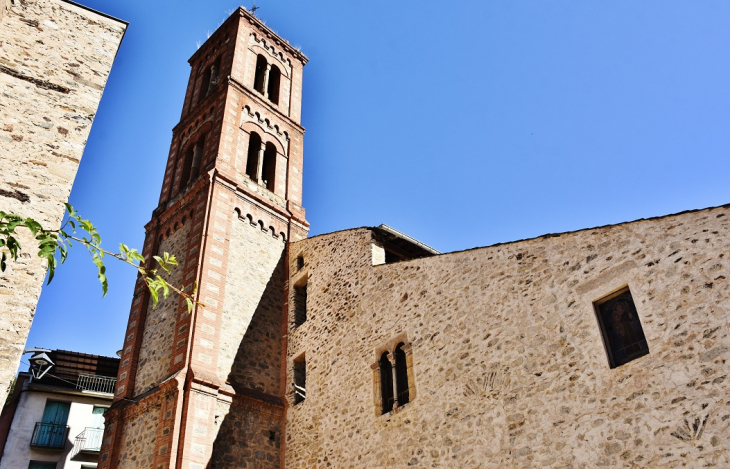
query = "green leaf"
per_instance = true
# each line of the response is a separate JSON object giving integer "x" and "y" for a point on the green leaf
{"x": 190, "y": 304}
{"x": 33, "y": 226}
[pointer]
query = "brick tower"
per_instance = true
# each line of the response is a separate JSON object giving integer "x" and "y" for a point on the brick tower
{"x": 205, "y": 389}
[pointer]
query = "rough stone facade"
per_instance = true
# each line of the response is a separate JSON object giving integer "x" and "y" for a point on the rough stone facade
{"x": 509, "y": 362}
{"x": 55, "y": 58}
{"x": 157, "y": 341}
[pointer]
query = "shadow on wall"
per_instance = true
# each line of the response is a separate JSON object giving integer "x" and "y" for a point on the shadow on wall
{"x": 250, "y": 434}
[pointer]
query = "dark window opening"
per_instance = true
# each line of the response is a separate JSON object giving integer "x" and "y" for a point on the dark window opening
{"x": 187, "y": 165}
{"x": 204, "y": 85}
{"x": 401, "y": 375}
{"x": 252, "y": 161}
{"x": 300, "y": 379}
{"x": 214, "y": 72}
{"x": 274, "y": 83}
{"x": 621, "y": 328}
{"x": 386, "y": 384}
{"x": 197, "y": 156}
{"x": 260, "y": 77}
{"x": 300, "y": 263}
{"x": 268, "y": 169}
{"x": 300, "y": 305}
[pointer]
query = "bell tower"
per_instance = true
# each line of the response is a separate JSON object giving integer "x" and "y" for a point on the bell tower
{"x": 205, "y": 388}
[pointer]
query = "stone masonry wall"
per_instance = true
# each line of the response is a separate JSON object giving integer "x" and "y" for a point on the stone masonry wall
{"x": 138, "y": 442}
{"x": 250, "y": 345}
{"x": 509, "y": 364}
{"x": 250, "y": 436}
{"x": 159, "y": 329}
{"x": 54, "y": 62}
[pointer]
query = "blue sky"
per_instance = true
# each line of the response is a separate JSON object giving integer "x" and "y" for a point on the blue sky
{"x": 461, "y": 123}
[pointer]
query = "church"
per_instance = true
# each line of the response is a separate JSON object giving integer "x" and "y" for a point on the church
{"x": 367, "y": 348}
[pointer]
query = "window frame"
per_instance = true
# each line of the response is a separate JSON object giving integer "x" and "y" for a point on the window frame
{"x": 610, "y": 343}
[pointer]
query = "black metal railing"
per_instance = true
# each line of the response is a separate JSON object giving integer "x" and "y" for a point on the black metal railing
{"x": 89, "y": 440}
{"x": 49, "y": 435}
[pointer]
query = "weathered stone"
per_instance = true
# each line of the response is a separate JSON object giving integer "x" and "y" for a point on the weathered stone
{"x": 35, "y": 180}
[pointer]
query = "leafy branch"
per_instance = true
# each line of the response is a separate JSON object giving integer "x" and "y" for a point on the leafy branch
{"x": 54, "y": 245}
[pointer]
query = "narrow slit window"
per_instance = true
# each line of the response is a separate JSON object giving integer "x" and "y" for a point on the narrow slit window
{"x": 621, "y": 328}
{"x": 300, "y": 379}
{"x": 252, "y": 160}
{"x": 300, "y": 263}
{"x": 386, "y": 384}
{"x": 401, "y": 375}
{"x": 300, "y": 305}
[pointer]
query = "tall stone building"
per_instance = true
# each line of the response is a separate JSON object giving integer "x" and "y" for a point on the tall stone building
{"x": 366, "y": 348}
{"x": 55, "y": 57}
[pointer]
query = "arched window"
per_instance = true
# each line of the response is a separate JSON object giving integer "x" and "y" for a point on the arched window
{"x": 268, "y": 170}
{"x": 272, "y": 90}
{"x": 187, "y": 165}
{"x": 191, "y": 163}
{"x": 197, "y": 157}
{"x": 386, "y": 383}
{"x": 252, "y": 161}
{"x": 259, "y": 81}
{"x": 401, "y": 375}
{"x": 210, "y": 79}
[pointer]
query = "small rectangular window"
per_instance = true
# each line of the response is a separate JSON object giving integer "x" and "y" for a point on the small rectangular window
{"x": 300, "y": 379}
{"x": 41, "y": 465}
{"x": 621, "y": 328}
{"x": 300, "y": 305}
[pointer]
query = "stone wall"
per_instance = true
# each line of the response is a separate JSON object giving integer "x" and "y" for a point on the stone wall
{"x": 159, "y": 329}
{"x": 139, "y": 439}
{"x": 249, "y": 354}
{"x": 250, "y": 436}
{"x": 509, "y": 365}
{"x": 55, "y": 58}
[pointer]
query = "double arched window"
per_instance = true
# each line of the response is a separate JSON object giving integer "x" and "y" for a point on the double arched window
{"x": 267, "y": 80}
{"x": 191, "y": 163}
{"x": 395, "y": 379}
{"x": 261, "y": 161}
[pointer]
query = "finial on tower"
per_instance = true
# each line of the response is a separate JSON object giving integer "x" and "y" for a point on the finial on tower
{"x": 254, "y": 8}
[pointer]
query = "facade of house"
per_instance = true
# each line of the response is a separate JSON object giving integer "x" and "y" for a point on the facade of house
{"x": 366, "y": 348}
{"x": 57, "y": 421}
{"x": 55, "y": 57}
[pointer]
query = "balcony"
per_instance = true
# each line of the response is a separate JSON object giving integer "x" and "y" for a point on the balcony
{"x": 49, "y": 435}
{"x": 94, "y": 383}
{"x": 88, "y": 441}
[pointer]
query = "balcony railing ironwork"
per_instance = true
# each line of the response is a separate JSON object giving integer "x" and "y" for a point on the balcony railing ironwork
{"x": 49, "y": 435}
{"x": 96, "y": 383}
{"x": 89, "y": 440}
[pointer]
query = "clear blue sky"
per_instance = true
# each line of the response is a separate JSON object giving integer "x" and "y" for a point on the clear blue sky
{"x": 461, "y": 123}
